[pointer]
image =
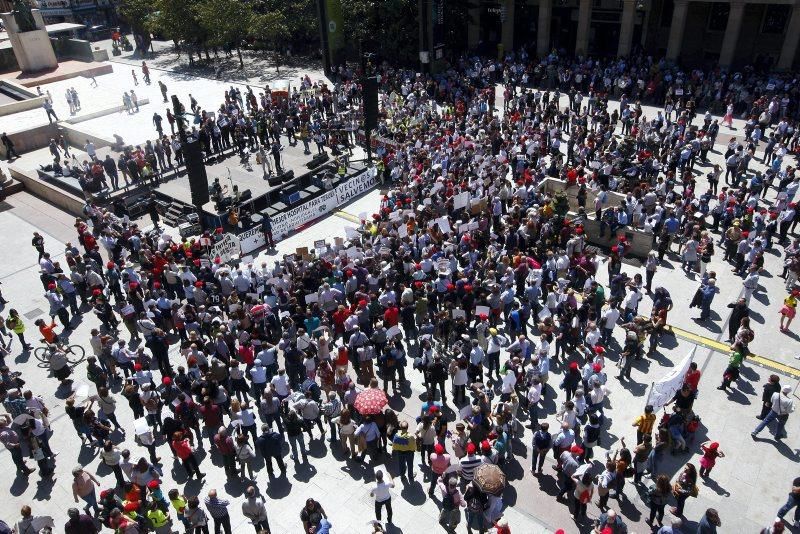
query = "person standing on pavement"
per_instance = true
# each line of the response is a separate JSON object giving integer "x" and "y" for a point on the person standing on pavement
{"x": 451, "y": 504}
{"x": 9, "y": 145}
{"x": 78, "y": 523}
{"x": 793, "y": 501}
{"x": 218, "y": 510}
{"x": 269, "y": 444}
{"x": 254, "y": 509}
{"x": 10, "y": 438}
{"x": 440, "y": 462}
{"x": 782, "y": 406}
{"x": 15, "y": 324}
{"x": 183, "y": 450}
{"x": 739, "y": 310}
{"x": 683, "y": 488}
{"x": 404, "y": 445}
{"x": 772, "y": 386}
{"x": 731, "y": 373}
{"x": 711, "y": 452}
{"x": 709, "y": 522}
{"x": 83, "y": 484}
{"x": 383, "y": 498}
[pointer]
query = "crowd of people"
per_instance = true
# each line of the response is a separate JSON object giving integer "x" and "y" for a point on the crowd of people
{"x": 496, "y": 302}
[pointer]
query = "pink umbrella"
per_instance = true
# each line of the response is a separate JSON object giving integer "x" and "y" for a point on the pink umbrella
{"x": 371, "y": 401}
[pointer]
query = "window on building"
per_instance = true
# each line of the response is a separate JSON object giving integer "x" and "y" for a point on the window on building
{"x": 775, "y": 17}
{"x": 718, "y": 17}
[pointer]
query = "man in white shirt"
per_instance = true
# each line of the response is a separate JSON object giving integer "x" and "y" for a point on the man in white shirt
{"x": 610, "y": 319}
{"x": 382, "y": 496}
{"x": 782, "y": 406}
{"x": 280, "y": 384}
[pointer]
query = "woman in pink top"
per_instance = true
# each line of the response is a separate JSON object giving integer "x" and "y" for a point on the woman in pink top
{"x": 440, "y": 461}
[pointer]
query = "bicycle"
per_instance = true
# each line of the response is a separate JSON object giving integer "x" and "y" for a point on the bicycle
{"x": 78, "y": 353}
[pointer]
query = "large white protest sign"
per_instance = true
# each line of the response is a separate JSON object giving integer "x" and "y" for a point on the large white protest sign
{"x": 662, "y": 391}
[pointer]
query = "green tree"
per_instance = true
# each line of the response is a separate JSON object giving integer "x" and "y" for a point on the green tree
{"x": 137, "y": 13}
{"x": 226, "y": 22}
{"x": 272, "y": 29}
{"x": 388, "y": 27}
{"x": 177, "y": 20}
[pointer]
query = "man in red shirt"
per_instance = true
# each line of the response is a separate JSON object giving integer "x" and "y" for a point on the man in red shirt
{"x": 391, "y": 316}
{"x": 225, "y": 447}
{"x": 692, "y": 378}
{"x": 212, "y": 418}
{"x": 48, "y": 331}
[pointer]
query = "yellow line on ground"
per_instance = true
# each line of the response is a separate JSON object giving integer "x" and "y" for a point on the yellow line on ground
{"x": 347, "y": 216}
{"x": 725, "y": 348}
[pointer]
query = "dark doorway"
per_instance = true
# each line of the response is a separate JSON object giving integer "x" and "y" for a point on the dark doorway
{"x": 604, "y": 38}
{"x": 491, "y": 27}
{"x": 564, "y": 28}
{"x": 526, "y": 18}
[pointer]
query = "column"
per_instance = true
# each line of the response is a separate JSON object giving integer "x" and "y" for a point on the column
{"x": 474, "y": 27}
{"x": 584, "y": 16}
{"x": 790, "y": 41}
{"x": 731, "y": 38}
{"x": 543, "y": 28}
{"x": 626, "y": 28}
{"x": 679, "y": 11}
{"x": 508, "y": 27}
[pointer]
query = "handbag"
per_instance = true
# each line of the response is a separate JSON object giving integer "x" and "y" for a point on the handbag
{"x": 38, "y": 454}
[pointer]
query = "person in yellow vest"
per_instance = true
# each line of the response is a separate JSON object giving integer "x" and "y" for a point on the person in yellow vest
{"x": 157, "y": 519}
{"x": 178, "y": 502}
{"x": 15, "y": 324}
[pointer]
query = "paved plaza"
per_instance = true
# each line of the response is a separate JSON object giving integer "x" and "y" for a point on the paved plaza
{"x": 747, "y": 486}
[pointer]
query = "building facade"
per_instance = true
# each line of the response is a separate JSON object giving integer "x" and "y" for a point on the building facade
{"x": 731, "y": 34}
{"x": 88, "y": 12}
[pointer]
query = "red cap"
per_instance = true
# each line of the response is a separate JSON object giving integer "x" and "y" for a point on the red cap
{"x": 575, "y": 449}
{"x": 137, "y": 366}
{"x": 133, "y": 285}
{"x": 468, "y": 288}
{"x": 433, "y": 409}
{"x": 438, "y": 448}
{"x": 217, "y": 260}
{"x": 110, "y": 265}
{"x": 485, "y": 446}
{"x": 713, "y": 445}
{"x": 598, "y": 349}
{"x": 198, "y": 284}
{"x": 131, "y": 506}
{"x": 166, "y": 381}
{"x": 153, "y": 484}
{"x": 51, "y": 285}
{"x": 573, "y": 365}
{"x": 483, "y": 317}
{"x": 105, "y": 493}
{"x": 597, "y": 367}
{"x": 470, "y": 448}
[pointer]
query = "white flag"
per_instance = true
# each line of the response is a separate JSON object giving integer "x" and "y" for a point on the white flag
{"x": 664, "y": 390}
